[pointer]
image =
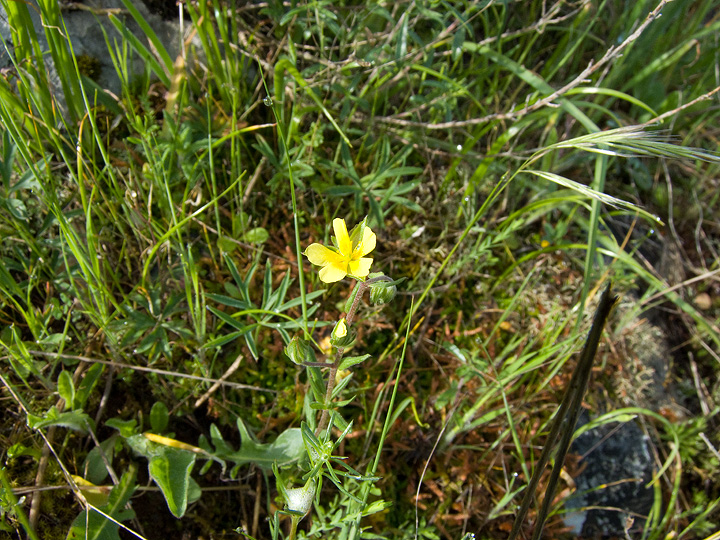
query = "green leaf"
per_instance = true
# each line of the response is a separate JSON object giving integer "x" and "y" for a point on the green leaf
{"x": 153, "y": 64}
{"x": 95, "y": 526}
{"x": 376, "y": 506}
{"x": 353, "y": 360}
{"x": 258, "y": 235}
{"x": 159, "y": 417}
{"x": 229, "y": 320}
{"x": 226, "y": 244}
{"x": 283, "y": 65}
{"x": 267, "y": 302}
{"x": 221, "y": 447}
{"x": 75, "y": 420}
{"x": 94, "y": 467}
{"x": 66, "y": 388}
{"x": 20, "y": 358}
{"x": 6, "y": 166}
{"x": 170, "y": 468}
{"x": 127, "y": 428}
{"x": 317, "y": 383}
{"x": 17, "y": 208}
{"x": 286, "y": 448}
{"x": 297, "y": 301}
{"x": 18, "y": 450}
{"x": 87, "y": 384}
{"x": 222, "y": 340}
{"x": 228, "y": 301}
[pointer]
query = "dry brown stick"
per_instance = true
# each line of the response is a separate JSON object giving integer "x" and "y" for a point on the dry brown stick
{"x": 610, "y": 54}
{"x": 256, "y": 507}
{"x": 676, "y": 110}
{"x": 34, "y": 513}
{"x": 232, "y": 369}
{"x": 150, "y": 370}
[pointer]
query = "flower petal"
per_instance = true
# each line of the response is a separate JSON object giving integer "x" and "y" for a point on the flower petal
{"x": 319, "y": 254}
{"x": 360, "y": 268}
{"x": 368, "y": 242}
{"x": 342, "y": 237}
{"x": 340, "y": 330}
{"x": 332, "y": 273}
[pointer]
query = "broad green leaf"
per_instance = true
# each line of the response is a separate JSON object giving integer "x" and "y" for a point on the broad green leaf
{"x": 94, "y": 467}
{"x": 170, "y": 468}
{"x": 170, "y": 465}
{"x": 127, "y": 428}
{"x": 159, "y": 417}
{"x": 95, "y": 526}
{"x": 17, "y": 208}
{"x": 95, "y": 495}
{"x": 352, "y": 360}
{"x": 75, "y": 420}
{"x": 66, "y": 388}
{"x": 286, "y": 448}
{"x": 258, "y": 235}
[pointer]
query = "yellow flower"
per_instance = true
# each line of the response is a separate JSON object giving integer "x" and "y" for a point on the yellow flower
{"x": 348, "y": 257}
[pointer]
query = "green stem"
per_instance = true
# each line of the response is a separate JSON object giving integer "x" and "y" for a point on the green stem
{"x": 298, "y": 251}
{"x": 294, "y": 520}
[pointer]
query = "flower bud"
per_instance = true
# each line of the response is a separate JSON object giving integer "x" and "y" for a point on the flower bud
{"x": 340, "y": 330}
{"x": 341, "y": 336}
{"x": 299, "y": 351}
{"x": 382, "y": 292}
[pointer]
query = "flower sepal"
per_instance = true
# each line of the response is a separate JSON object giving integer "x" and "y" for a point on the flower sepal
{"x": 382, "y": 291}
{"x": 358, "y": 233}
{"x": 300, "y": 351}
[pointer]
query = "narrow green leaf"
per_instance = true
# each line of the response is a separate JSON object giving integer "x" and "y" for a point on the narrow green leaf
{"x": 88, "y": 383}
{"x": 152, "y": 37}
{"x": 141, "y": 49}
{"x": 283, "y": 65}
{"x": 228, "y": 301}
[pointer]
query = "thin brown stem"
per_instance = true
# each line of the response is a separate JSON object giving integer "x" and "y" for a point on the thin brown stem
{"x": 353, "y": 308}
{"x": 325, "y": 417}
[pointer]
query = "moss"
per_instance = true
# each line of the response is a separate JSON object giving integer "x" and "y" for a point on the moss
{"x": 89, "y": 66}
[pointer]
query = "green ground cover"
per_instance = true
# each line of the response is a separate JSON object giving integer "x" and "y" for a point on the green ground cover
{"x": 179, "y": 356}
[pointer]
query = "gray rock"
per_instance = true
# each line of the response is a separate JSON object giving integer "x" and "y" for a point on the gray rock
{"x": 87, "y": 24}
{"x": 611, "y": 494}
